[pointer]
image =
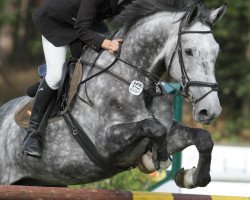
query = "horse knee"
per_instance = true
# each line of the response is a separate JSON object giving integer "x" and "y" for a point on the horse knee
{"x": 153, "y": 128}
{"x": 203, "y": 141}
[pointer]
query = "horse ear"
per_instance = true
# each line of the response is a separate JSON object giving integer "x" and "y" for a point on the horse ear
{"x": 217, "y": 14}
{"x": 193, "y": 14}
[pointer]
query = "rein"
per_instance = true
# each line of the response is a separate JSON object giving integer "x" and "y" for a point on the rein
{"x": 146, "y": 73}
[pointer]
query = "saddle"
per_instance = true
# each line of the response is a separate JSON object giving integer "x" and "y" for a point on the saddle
{"x": 71, "y": 77}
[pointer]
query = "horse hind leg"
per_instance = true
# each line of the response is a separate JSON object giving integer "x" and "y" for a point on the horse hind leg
{"x": 181, "y": 137}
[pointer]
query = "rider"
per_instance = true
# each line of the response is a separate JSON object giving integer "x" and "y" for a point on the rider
{"x": 65, "y": 23}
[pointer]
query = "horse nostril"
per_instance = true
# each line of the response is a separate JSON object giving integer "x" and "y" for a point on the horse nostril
{"x": 203, "y": 114}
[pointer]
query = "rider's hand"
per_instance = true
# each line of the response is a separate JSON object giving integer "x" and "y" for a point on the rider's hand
{"x": 111, "y": 45}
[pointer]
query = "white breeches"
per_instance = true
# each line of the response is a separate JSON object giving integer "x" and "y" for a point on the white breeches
{"x": 55, "y": 58}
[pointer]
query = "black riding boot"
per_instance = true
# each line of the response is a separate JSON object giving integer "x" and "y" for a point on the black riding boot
{"x": 33, "y": 142}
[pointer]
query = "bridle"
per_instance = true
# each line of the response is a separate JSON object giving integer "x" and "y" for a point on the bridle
{"x": 186, "y": 81}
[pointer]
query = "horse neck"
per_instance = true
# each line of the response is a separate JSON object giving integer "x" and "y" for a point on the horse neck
{"x": 149, "y": 38}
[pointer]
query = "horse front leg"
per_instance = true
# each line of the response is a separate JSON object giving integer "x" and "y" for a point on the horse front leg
{"x": 128, "y": 143}
{"x": 157, "y": 157}
{"x": 181, "y": 137}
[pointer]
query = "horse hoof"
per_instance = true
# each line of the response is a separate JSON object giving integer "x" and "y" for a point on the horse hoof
{"x": 184, "y": 178}
{"x": 142, "y": 168}
{"x": 148, "y": 165}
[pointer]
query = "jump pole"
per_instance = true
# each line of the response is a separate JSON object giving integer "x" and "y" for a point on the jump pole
{"x": 53, "y": 193}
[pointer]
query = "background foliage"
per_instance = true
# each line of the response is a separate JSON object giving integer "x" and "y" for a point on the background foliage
{"x": 21, "y": 52}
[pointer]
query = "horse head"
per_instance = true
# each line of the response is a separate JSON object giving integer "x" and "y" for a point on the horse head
{"x": 194, "y": 66}
{"x": 172, "y": 36}
{"x": 187, "y": 49}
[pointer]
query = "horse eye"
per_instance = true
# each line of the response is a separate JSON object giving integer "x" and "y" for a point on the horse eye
{"x": 189, "y": 52}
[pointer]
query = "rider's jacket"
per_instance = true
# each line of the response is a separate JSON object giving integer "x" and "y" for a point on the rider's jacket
{"x": 63, "y": 21}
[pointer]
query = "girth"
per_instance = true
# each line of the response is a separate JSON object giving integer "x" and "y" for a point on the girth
{"x": 83, "y": 140}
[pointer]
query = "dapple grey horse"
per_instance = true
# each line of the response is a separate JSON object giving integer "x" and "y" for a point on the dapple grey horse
{"x": 159, "y": 36}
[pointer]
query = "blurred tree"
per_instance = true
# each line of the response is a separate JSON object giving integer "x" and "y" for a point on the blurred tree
{"x": 6, "y": 30}
{"x": 18, "y": 37}
{"x": 233, "y": 67}
{"x": 28, "y": 47}
{"x": 20, "y": 46}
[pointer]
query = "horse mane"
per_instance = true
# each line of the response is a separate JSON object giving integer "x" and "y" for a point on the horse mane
{"x": 139, "y": 9}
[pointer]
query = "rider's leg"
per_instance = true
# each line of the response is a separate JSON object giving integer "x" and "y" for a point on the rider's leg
{"x": 33, "y": 142}
{"x": 76, "y": 48}
{"x": 55, "y": 58}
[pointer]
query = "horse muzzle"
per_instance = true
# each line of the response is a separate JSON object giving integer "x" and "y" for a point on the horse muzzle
{"x": 207, "y": 110}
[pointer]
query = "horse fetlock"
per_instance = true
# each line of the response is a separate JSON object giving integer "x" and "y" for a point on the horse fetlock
{"x": 147, "y": 164}
{"x": 184, "y": 178}
{"x": 201, "y": 180}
